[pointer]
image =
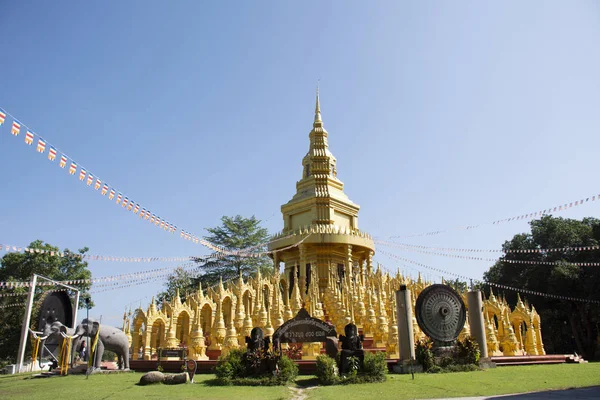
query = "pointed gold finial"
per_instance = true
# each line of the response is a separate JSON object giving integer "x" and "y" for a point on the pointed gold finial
{"x": 318, "y": 107}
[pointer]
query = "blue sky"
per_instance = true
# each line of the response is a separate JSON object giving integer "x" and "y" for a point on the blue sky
{"x": 440, "y": 114}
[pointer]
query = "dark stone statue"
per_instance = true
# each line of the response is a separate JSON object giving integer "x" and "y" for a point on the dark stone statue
{"x": 257, "y": 340}
{"x": 351, "y": 347}
{"x": 331, "y": 347}
{"x": 258, "y": 359}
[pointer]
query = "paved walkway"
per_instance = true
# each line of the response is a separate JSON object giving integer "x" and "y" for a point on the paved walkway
{"x": 579, "y": 394}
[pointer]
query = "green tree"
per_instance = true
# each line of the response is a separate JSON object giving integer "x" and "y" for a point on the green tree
{"x": 181, "y": 279}
{"x": 458, "y": 285}
{"x": 16, "y": 267}
{"x": 235, "y": 233}
{"x": 567, "y": 326}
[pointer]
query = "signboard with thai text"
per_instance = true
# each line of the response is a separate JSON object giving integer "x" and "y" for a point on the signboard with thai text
{"x": 304, "y": 328}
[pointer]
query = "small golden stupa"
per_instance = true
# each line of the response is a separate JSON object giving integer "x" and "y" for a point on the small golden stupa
{"x": 327, "y": 269}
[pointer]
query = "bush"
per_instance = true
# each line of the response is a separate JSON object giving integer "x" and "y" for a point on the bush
{"x": 435, "y": 369}
{"x": 445, "y": 361}
{"x": 467, "y": 351}
{"x": 287, "y": 370}
{"x": 454, "y": 368}
{"x": 327, "y": 370}
{"x": 109, "y": 356}
{"x": 232, "y": 365}
{"x": 294, "y": 351}
{"x": 462, "y": 368}
{"x": 375, "y": 367}
{"x": 424, "y": 354}
{"x": 464, "y": 357}
{"x": 244, "y": 369}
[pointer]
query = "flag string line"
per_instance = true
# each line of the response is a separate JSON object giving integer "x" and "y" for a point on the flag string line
{"x": 464, "y": 250}
{"x": 494, "y": 260}
{"x": 528, "y": 216}
{"x": 26, "y": 293}
{"x": 505, "y": 287}
{"x": 89, "y": 178}
{"x": 110, "y": 278}
{"x": 194, "y": 261}
{"x": 88, "y": 257}
{"x": 86, "y": 175}
{"x": 12, "y": 305}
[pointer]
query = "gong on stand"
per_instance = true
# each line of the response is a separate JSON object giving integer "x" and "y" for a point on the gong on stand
{"x": 55, "y": 307}
{"x": 441, "y": 315}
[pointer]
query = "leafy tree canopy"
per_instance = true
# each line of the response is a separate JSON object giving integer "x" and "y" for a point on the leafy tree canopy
{"x": 567, "y": 326}
{"x": 181, "y": 279}
{"x": 234, "y": 233}
{"x": 20, "y": 267}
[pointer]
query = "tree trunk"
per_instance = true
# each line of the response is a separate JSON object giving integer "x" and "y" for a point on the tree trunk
{"x": 573, "y": 322}
{"x": 590, "y": 340}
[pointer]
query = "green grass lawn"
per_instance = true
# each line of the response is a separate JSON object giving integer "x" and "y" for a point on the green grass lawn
{"x": 502, "y": 380}
{"x": 123, "y": 386}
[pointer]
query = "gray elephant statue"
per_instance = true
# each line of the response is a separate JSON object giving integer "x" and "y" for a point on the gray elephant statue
{"x": 109, "y": 338}
{"x": 52, "y": 340}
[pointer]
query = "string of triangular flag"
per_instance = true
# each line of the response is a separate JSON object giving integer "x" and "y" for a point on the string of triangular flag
{"x": 527, "y": 216}
{"x": 111, "y": 278}
{"x": 13, "y": 305}
{"x": 463, "y": 250}
{"x": 462, "y": 257}
{"x": 104, "y": 188}
{"x": 505, "y": 287}
{"x": 247, "y": 252}
{"x": 129, "y": 284}
{"x": 140, "y": 274}
{"x": 90, "y": 257}
{"x": 85, "y": 175}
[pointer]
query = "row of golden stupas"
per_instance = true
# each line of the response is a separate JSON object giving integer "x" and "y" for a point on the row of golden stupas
{"x": 221, "y": 319}
{"x": 327, "y": 268}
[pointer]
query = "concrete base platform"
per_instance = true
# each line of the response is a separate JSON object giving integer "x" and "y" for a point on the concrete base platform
{"x": 545, "y": 359}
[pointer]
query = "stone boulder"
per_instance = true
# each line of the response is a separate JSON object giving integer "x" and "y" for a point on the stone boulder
{"x": 152, "y": 377}
{"x": 175, "y": 379}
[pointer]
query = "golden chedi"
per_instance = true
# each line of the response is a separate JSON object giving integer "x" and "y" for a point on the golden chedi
{"x": 324, "y": 263}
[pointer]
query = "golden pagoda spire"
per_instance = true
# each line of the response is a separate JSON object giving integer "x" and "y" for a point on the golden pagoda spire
{"x": 152, "y": 308}
{"x": 177, "y": 299}
{"x": 124, "y": 321}
{"x": 319, "y": 188}
{"x": 318, "y": 109}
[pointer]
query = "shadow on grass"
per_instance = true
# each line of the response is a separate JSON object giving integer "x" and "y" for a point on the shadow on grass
{"x": 211, "y": 382}
{"x": 307, "y": 382}
{"x": 249, "y": 382}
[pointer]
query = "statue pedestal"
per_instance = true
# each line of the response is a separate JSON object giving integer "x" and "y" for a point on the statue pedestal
{"x": 213, "y": 354}
{"x": 176, "y": 354}
{"x": 486, "y": 363}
